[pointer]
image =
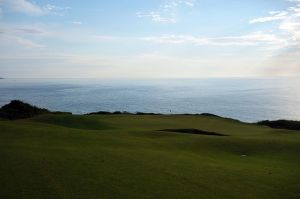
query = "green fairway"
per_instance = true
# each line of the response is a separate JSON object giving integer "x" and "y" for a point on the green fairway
{"x": 128, "y": 156}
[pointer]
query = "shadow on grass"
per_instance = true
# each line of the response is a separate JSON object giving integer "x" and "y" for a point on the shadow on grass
{"x": 193, "y": 131}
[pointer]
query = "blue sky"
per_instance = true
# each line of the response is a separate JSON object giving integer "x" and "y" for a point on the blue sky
{"x": 149, "y": 38}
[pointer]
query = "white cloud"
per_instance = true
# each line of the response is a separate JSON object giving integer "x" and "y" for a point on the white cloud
{"x": 293, "y": 11}
{"x": 22, "y": 6}
{"x": 31, "y": 8}
{"x": 22, "y": 30}
{"x": 77, "y": 22}
{"x": 275, "y": 15}
{"x": 288, "y": 23}
{"x": 156, "y": 17}
{"x": 155, "y": 65}
{"x": 292, "y": 27}
{"x": 190, "y": 3}
{"x": 26, "y": 43}
{"x": 253, "y": 39}
{"x": 56, "y": 10}
{"x": 18, "y": 41}
{"x": 21, "y": 36}
{"x": 167, "y": 12}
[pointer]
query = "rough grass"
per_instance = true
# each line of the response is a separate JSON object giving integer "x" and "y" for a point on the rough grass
{"x": 125, "y": 156}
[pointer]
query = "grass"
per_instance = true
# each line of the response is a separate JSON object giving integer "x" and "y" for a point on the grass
{"x": 127, "y": 156}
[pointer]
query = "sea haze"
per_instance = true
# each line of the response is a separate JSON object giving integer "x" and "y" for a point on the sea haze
{"x": 248, "y": 100}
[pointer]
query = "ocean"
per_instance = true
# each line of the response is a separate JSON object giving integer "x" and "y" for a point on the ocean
{"x": 248, "y": 100}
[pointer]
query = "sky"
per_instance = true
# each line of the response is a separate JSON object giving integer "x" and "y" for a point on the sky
{"x": 149, "y": 38}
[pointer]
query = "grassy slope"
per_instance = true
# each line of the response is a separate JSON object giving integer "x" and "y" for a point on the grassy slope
{"x": 120, "y": 156}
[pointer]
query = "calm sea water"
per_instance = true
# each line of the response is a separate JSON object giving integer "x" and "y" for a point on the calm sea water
{"x": 244, "y": 99}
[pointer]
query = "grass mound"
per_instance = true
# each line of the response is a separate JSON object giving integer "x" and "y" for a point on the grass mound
{"x": 193, "y": 131}
{"x": 72, "y": 121}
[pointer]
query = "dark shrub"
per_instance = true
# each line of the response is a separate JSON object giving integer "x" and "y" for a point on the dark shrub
{"x": 281, "y": 124}
{"x": 100, "y": 113}
{"x": 209, "y": 115}
{"x": 17, "y": 109}
{"x": 117, "y": 112}
{"x": 142, "y": 113}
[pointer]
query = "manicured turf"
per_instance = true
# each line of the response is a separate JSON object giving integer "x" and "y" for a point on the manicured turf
{"x": 127, "y": 156}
